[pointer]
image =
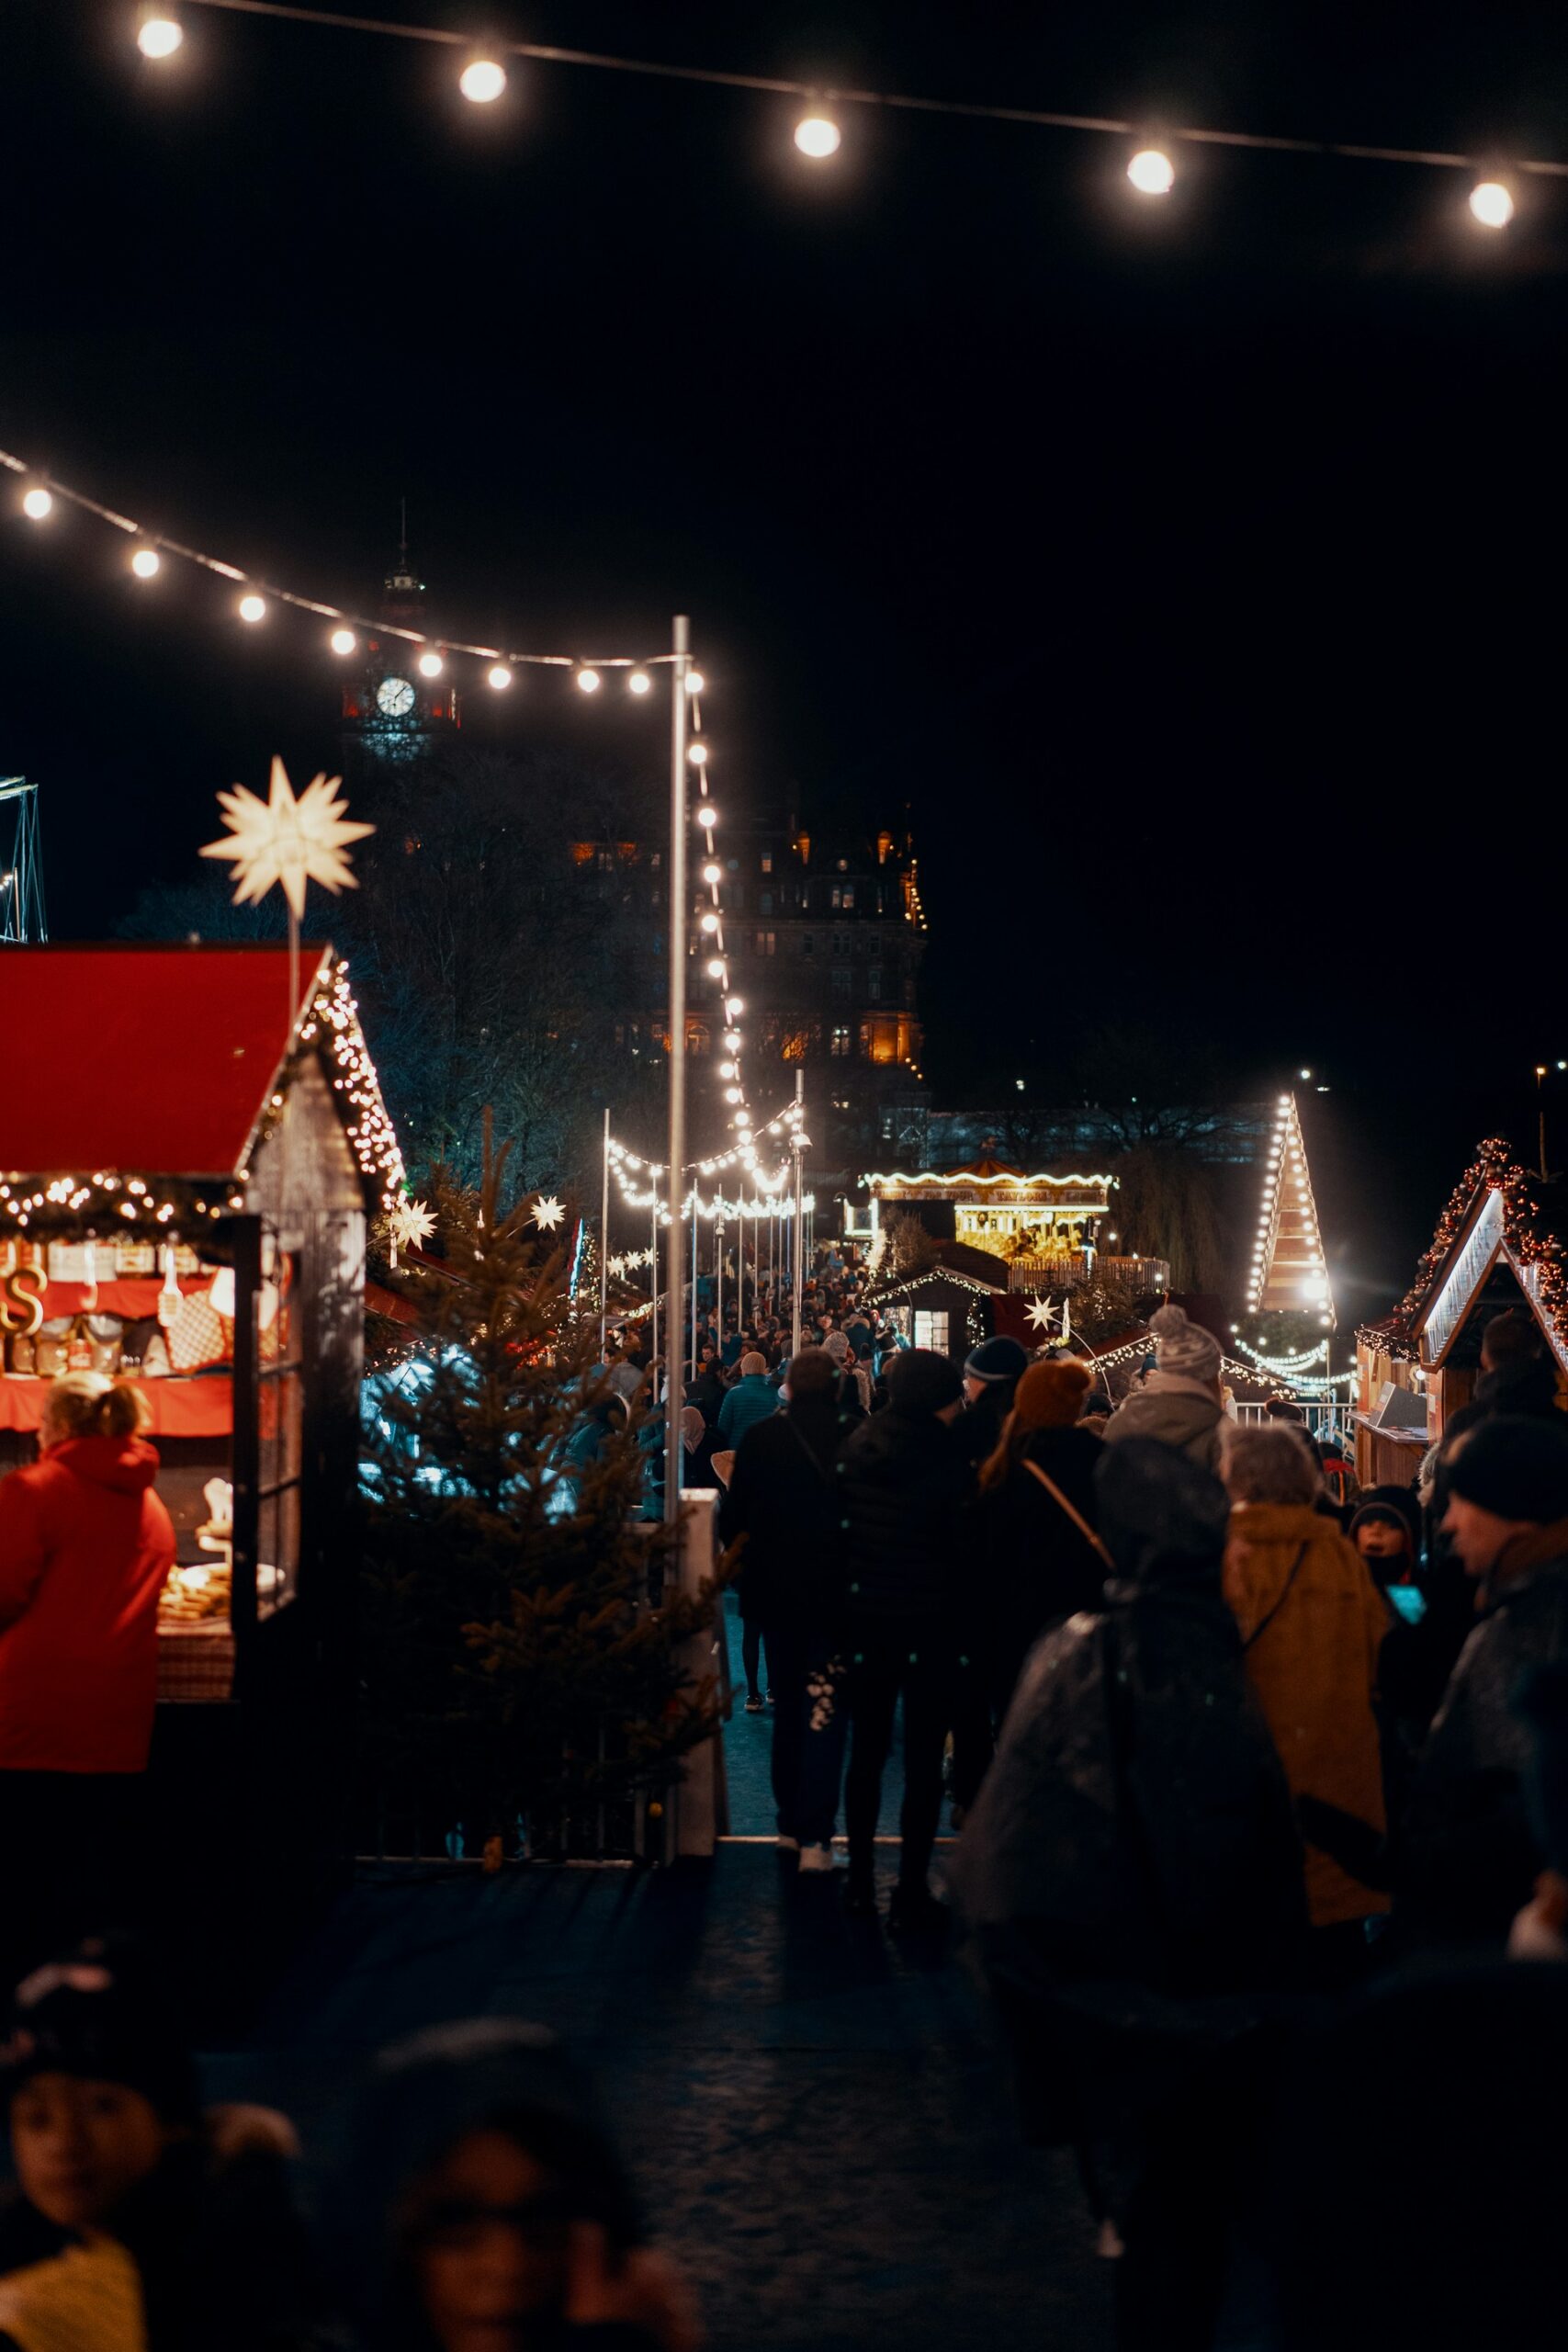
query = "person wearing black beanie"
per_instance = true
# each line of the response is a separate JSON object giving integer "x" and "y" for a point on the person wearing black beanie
{"x": 1469, "y": 1855}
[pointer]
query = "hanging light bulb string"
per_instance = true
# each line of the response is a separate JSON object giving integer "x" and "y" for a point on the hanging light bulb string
{"x": 38, "y": 502}
{"x": 483, "y": 80}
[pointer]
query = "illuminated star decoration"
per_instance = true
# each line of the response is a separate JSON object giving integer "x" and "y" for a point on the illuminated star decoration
{"x": 284, "y": 840}
{"x": 1041, "y": 1313}
{"x": 412, "y": 1224}
{"x": 548, "y": 1214}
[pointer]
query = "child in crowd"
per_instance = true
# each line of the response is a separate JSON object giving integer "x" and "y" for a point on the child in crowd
{"x": 483, "y": 2203}
{"x": 139, "y": 2223}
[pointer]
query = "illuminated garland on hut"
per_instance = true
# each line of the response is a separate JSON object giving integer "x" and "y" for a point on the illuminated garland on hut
{"x": 1539, "y": 1254}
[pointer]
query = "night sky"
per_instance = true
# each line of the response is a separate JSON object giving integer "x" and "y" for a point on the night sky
{"x": 1190, "y": 572}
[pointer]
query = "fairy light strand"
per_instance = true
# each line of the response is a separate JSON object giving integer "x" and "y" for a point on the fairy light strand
{"x": 823, "y": 98}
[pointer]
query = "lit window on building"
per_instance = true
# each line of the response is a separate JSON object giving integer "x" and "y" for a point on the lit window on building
{"x": 764, "y": 943}
{"x": 767, "y": 861}
{"x": 841, "y": 1041}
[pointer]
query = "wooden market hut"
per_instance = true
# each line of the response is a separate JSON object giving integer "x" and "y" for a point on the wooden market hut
{"x": 191, "y": 1141}
{"x": 954, "y": 1303}
{"x": 1498, "y": 1246}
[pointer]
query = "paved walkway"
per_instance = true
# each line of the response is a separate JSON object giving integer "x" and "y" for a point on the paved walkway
{"x": 747, "y": 1751}
{"x": 813, "y": 2110}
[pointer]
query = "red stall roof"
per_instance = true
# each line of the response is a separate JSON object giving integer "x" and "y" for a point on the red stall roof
{"x": 151, "y": 1058}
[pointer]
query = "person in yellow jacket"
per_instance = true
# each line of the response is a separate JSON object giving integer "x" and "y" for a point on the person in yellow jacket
{"x": 1312, "y": 1624}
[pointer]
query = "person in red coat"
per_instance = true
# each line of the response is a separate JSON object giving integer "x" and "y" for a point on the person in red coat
{"x": 85, "y": 1549}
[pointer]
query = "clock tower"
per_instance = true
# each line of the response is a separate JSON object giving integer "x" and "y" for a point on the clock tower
{"x": 391, "y": 711}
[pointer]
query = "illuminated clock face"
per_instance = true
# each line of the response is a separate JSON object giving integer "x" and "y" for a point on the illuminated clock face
{"x": 394, "y": 697}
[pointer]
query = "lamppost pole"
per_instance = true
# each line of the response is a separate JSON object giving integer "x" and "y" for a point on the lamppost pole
{"x": 797, "y": 1259}
{"x": 680, "y": 921}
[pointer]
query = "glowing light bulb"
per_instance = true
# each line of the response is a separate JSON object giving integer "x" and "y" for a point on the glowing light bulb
{"x": 817, "y": 135}
{"x": 639, "y": 682}
{"x": 695, "y": 681}
{"x": 698, "y": 754}
{"x": 253, "y": 609}
{"x": 732, "y": 1094}
{"x": 732, "y": 1039}
{"x": 343, "y": 641}
{"x": 431, "y": 665}
{"x": 707, "y": 814}
{"x": 728, "y": 1069}
{"x": 146, "y": 563}
{"x": 733, "y": 1009}
{"x": 1492, "y": 204}
{"x": 710, "y": 922}
{"x": 482, "y": 81}
{"x": 743, "y": 1118}
{"x": 712, "y": 874}
{"x": 1152, "y": 172}
{"x": 158, "y": 35}
{"x": 589, "y": 681}
{"x": 499, "y": 676}
{"x": 37, "y": 504}
{"x": 715, "y": 968}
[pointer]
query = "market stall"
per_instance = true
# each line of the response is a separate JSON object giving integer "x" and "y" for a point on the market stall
{"x": 190, "y": 1142}
{"x": 1497, "y": 1246}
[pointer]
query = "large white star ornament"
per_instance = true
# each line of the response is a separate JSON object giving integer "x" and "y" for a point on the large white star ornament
{"x": 281, "y": 839}
{"x": 1041, "y": 1313}
{"x": 548, "y": 1214}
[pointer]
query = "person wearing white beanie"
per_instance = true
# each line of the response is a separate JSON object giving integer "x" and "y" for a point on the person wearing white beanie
{"x": 1179, "y": 1402}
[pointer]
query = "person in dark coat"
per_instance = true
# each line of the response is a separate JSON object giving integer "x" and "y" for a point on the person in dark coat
{"x": 1132, "y": 1873}
{"x": 1468, "y": 1859}
{"x": 1386, "y": 2226}
{"x": 482, "y": 2201}
{"x": 1032, "y": 1556}
{"x": 783, "y": 1506}
{"x": 903, "y": 1477}
{"x": 991, "y": 1375}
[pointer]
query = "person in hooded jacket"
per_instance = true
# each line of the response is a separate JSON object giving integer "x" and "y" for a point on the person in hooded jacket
{"x": 1132, "y": 1875}
{"x": 1031, "y": 1554}
{"x": 86, "y": 1550}
{"x": 482, "y": 2202}
{"x": 1178, "y": 1402}
{"x": 1312, "y": 1626}
{"x": 903, "y": 1476}
{"x": 781, "y": 1505}
{"x": 1467, "y": 1858}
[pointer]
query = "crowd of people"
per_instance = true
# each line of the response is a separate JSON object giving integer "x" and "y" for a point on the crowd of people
{"x": 1259, "y": 1788}
{"x": 1230, "y": 1745}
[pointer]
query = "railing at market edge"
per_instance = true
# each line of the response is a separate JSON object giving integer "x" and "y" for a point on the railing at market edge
{"x": 1327, "y": 1417}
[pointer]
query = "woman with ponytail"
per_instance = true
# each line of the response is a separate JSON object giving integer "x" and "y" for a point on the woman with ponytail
{"x": 86, "y": 1548}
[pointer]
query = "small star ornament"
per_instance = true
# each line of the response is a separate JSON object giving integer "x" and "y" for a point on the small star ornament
{"x": 548, "y": 1214}
{"x": 1041, "y": 1313}
{"x": 281, "y": 839}
{"x": 412, "y": 1225}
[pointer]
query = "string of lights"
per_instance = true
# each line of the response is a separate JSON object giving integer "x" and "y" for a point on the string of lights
{"x": 257, "y": 598}
{"x": 818, "y": 132}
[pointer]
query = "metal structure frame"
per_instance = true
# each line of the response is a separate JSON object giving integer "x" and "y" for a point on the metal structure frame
{"x": 22, "y": 922}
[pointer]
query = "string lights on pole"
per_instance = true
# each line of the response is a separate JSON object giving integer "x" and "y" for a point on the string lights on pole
{"x": 818, "y": 133}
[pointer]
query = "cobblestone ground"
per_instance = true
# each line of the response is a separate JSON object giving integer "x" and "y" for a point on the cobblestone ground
{"x": 813, "y": 2110}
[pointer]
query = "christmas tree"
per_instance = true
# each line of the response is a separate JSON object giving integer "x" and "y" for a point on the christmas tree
{"x": 520, "y": 1647}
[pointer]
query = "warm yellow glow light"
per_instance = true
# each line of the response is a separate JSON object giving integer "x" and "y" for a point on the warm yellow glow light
{"x": 1492, "y": 204}
{"x": 715, "y": 968}
{"x": 1152, "y": 172}
{"x": 639, "y": 682}
{"x": 713, "y": 874}
{"x": 707, "y": 814}
{"x": 343, "y": 641}
{"x": 37, "y": 504}
{"x": 817, "y": 135}
{"x": 431, "y": 665}
{"x": 697, "y": 754}
{"x": 146, "y": 563}
{"x": 695, "y": 681}
{"x": 589, "y": 681}
{"x": 253, "y": 609}
{"x": 710, "y": 922}
{"x": 482, "y": 81}
{"x": 498, "y": 675}
{"x": 159, "y": 36}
